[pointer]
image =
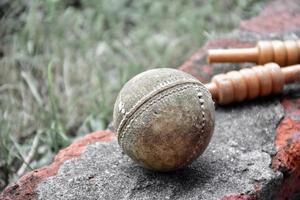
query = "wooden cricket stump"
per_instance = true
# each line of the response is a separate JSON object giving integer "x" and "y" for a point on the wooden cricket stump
{"x": 246, "y": 84}
{"x": 284, "y": 53}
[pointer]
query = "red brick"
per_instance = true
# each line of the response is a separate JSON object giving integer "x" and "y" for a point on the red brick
{"x": 24, "y": 188}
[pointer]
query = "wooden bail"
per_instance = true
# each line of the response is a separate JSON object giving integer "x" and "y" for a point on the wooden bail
{"x": 246, "y": 84}
{"x": 283, "y": 53}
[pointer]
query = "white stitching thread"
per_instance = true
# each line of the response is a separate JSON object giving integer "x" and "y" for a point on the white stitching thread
{"x": 170, "y": 82}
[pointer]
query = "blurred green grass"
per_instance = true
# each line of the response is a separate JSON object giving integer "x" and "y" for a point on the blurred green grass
{"x": 63, "y": 63}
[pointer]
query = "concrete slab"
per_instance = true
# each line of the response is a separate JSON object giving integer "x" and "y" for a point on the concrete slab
{"x": 236, "y": 161}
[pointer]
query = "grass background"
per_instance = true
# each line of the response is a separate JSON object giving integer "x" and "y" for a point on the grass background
{"x": 63, "y": 63}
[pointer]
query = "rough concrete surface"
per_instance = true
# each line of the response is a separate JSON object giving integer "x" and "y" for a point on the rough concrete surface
{"x": 237, "y": 159}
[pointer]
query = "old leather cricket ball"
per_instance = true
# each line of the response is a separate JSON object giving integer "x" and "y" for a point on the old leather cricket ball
{"x": 164, "y": 119}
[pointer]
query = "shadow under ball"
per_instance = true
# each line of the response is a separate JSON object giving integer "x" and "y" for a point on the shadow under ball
{"x": 164, "y": 119}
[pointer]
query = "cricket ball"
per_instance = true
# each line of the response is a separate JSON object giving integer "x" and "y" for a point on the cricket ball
{"x": 164, "y": 119}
